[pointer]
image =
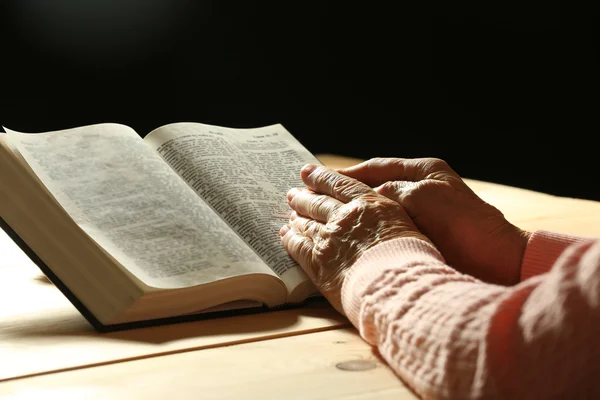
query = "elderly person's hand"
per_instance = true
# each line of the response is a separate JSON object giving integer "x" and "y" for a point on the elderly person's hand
{"x": 473, "y": 236}
{"x": 335, "y": 220}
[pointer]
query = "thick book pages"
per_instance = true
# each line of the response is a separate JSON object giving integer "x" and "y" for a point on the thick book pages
{"x": 183, "y": 222}
{"x": 102, "y": 328}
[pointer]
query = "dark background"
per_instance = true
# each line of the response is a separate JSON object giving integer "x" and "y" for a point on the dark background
{"x": 506, "y": 94}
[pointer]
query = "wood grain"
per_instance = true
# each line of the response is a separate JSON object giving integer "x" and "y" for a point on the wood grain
{"x": 303, "y": 367}
{"x": 40, "y": 331}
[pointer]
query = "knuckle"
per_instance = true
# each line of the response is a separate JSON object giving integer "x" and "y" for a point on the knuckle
{"x": 323, "y": 250}
{"x": 329, "y": 209}
{"x": 415, "y": 194}
{"x": 339, "y": 185}
{"x": 356, "y": 208}
{"x": 316, "y": 203}
{"x": 388, "y": 188}
{"x": 410, "y": 196}
{"x": 436, "y": 164}
{"x": 434, "y": 168}
{"x": 303, "y": 250}
{"x": 333, "y": 229}
{"x": 367, "y": 198}
{"x": 304, "y": 247}
{"x": 322, "y": 175}
{"x": 311, "y": 227}
{"x": 437, "y": 168}
{"x": 346, "y": 187}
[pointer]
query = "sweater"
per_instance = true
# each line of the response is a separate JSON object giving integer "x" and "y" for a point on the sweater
{"x": 448, "y": 335}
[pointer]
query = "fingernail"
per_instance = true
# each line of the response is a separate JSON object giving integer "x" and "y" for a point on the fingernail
{"x": 284, "y": 230}
{"x": 293, "y": 215}
{"x": 291, "y": 193}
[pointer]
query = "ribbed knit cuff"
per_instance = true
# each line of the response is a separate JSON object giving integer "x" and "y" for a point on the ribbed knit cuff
{"x": 374, "y": 262}
{"x": 542, "y": 251}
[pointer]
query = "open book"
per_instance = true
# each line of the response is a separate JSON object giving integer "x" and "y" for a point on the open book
{"x": 181, "y": 222}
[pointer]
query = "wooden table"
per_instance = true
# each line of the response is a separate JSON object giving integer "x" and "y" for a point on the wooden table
{"x": 47, "y": 350}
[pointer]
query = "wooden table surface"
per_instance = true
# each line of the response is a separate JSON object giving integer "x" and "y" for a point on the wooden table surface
{"x": 47, "y": 350}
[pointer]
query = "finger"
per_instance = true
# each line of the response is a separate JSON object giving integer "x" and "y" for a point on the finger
{"x": 299, "y": 247}
{"x": 317, "y": 206}
{"x": 327, "y": 181}
{"x": 307, "y": 226}
{"x": 376, "y": 171}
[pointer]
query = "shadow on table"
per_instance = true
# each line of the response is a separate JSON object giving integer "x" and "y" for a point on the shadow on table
{"x": 66, "y": 322}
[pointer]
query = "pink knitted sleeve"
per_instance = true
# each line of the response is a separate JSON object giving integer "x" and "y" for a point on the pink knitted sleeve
{"x": 542, "y": 251}
{"x": 448, "y": 335}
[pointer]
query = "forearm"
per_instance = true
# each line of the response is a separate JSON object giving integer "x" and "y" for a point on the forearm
{"x": 448, "y": 335}
{"x": 406, "y": 301}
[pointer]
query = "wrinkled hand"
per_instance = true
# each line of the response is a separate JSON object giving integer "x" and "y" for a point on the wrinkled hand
{"x": 335, "y": 220}
{"x": 473, "y": 236}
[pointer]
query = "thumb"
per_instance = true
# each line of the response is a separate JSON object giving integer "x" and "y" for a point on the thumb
{"x": 376, "y": 171}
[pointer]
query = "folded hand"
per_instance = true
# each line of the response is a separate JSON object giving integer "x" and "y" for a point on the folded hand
{"x": 335, "y": 220}
{"x": 473, "y": 236}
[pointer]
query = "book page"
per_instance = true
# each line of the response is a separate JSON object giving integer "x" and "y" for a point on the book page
{"x": 133, "y": 205}
{"x": 244, "y": 174}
